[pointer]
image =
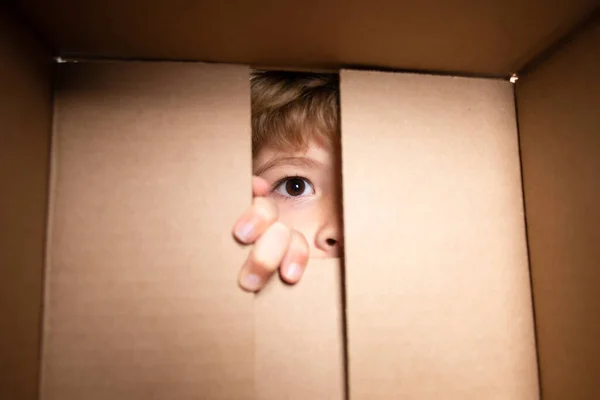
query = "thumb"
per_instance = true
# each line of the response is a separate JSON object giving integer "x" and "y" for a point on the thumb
{"x": 260, "y": 187}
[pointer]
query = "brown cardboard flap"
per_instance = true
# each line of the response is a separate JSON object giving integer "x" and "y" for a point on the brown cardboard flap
{"x": 25, "y": 127}
{"x": 438, "y": 295}
{"x": 299, "y": 336}
{"x": 483, "y": 37}
{"x": 151, "y": 167}
{"x": 560, "y": 140}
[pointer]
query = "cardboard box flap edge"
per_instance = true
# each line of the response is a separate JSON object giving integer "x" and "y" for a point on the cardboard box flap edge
{"x": 494, "y": 38}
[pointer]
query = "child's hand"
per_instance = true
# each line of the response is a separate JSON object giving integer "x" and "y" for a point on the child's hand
{"x": 275, "y": 245}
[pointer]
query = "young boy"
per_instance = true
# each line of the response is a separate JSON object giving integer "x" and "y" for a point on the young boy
{"x": 296, "y": 210}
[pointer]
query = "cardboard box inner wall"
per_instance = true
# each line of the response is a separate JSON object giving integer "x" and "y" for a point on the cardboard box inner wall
{"x": 25, "y": 130}
{"x": 140, "y": 297}
{"x": 491, "y": 38}
{"x": 560, "y": 139}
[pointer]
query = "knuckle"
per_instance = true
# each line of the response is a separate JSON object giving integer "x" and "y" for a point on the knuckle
{"x": 265, "y": 208}
{"x": 299, "y": 239}
{"x": 262, "y": 262}
{"x": 270, "y": 249}
{"x": 279, "y": 228}
{"x": 299, "y": 249}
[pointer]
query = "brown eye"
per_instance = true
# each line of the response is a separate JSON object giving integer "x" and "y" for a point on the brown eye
{"x": 295, "y": 187}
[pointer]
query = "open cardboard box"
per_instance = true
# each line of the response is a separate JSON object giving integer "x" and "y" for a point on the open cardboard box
{"x": 470, "y": 204}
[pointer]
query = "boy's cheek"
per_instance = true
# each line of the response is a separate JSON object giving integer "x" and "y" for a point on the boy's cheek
{"x": 300, "y": 217}
{"x": 296, "y": 208}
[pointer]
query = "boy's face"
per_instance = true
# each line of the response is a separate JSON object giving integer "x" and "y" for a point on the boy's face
{"x": 306, "y": 189}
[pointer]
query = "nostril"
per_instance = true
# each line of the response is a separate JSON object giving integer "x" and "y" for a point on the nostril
{"x": 331, "y": 242}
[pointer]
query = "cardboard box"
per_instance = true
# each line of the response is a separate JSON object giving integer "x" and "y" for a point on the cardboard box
{"x": 470, "y": 203}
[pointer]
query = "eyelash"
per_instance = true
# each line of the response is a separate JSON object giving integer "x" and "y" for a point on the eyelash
{"x": 285, "y": 178}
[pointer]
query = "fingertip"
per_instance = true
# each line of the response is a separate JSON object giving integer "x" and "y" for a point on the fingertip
{"x": 244, "y": 230}
{"x": 296, "y": 259}
{"x": 260, "y": 187}
{"x": 292, "y": 273}
{"x": 250, "y": 282}
{"x": 265, "y": 258}
{"x": 253, "y": 223}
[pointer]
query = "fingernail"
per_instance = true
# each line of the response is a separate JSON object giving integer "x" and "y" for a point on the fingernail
{"x": 251, "y": 282}
{"x": 294, "y": 271}
{"x": 244, "y": 233}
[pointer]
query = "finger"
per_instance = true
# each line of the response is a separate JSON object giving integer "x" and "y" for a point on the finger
{"x": 256, "y": 220}
{"x": 265, "y": 258}
{"x": 295, "y": 260}
{"x": 260, "y": 187}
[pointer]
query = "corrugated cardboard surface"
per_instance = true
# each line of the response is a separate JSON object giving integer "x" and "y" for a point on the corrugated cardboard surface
{"x": 299, "y": 336}
{"x": 560, "y": 137}
{"x": 25, "y": 126}
{"x": 469, "y": 36}
{"x": 151, "y": 167}
{"x": 438, "y": 294}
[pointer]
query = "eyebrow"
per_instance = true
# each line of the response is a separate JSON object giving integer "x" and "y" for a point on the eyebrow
{"x": 295, "y": 161}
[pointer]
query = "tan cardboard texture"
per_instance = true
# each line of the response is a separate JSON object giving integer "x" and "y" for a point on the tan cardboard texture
{"x": 559, "y": 125}
{"x": 299, "y": 336}
{"x": 141, "y": 291}
{"x": 151, "y": 166}
{"x": 25, "y": 127}
{"x": 492, "y": 37}
{"x": 438, "y": 295}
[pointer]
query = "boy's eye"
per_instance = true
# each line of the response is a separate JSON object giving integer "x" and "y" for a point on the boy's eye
{"x": 295, "y": 187}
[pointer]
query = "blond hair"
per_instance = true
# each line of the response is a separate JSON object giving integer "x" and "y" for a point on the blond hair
{"x": 289, "y": 109}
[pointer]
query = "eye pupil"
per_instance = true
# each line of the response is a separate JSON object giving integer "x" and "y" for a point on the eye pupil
{"x": 295, "y": 186}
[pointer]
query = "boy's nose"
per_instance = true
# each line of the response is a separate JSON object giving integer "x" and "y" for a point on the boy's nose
{"x": 328, "y": 240}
